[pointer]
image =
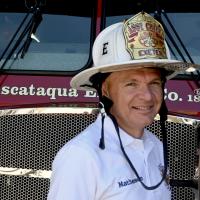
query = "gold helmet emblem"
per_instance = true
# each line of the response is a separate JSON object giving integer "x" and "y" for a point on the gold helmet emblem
{"x": 144, "y": 37}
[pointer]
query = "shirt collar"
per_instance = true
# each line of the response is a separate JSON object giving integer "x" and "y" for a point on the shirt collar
{"x": 142, "y": 144}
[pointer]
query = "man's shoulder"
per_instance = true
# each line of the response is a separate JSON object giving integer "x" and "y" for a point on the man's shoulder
{"x": 85, "y": 142}
{"x": 87, "y": 138}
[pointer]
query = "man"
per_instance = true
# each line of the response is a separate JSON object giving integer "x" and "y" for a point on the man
{"x": 116, "y": 158}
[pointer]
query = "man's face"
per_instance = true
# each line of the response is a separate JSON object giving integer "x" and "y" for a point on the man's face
{"x": 137, "y": 97}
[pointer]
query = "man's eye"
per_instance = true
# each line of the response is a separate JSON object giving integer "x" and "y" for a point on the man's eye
{"x": 131, "y": 84}
{"x": 158, "y": 83}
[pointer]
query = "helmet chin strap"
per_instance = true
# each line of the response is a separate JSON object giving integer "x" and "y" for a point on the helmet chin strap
{"x": 131, "y": 164}
{"x": 105, "y": 105}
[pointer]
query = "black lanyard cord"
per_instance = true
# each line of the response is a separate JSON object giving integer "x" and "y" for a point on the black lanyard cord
{"x": 130, "y": 163}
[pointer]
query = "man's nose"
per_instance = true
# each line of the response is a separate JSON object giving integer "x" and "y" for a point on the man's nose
{"x": 147, "y": 93}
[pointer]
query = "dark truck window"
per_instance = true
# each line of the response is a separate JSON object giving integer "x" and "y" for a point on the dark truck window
{"x": 61, "y": 43}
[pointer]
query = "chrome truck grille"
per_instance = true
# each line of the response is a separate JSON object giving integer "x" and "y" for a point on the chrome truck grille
{"x": 29, "y": 141}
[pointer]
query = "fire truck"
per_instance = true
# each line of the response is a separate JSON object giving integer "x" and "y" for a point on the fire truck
{"x": 43, "y": 44}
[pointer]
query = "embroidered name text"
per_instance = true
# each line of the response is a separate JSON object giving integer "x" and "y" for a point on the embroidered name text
{"x": 129, "y": 182}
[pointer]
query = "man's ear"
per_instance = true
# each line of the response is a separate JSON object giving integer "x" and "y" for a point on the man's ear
{"x": 105, "y": 99}
{"x": 104, "y": 89}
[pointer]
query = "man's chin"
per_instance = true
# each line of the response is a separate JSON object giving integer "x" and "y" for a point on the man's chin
{"x": 147, "y": 122}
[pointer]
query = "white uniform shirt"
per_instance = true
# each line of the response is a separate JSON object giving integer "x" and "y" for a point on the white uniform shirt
{"x": 83, "y": 171}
